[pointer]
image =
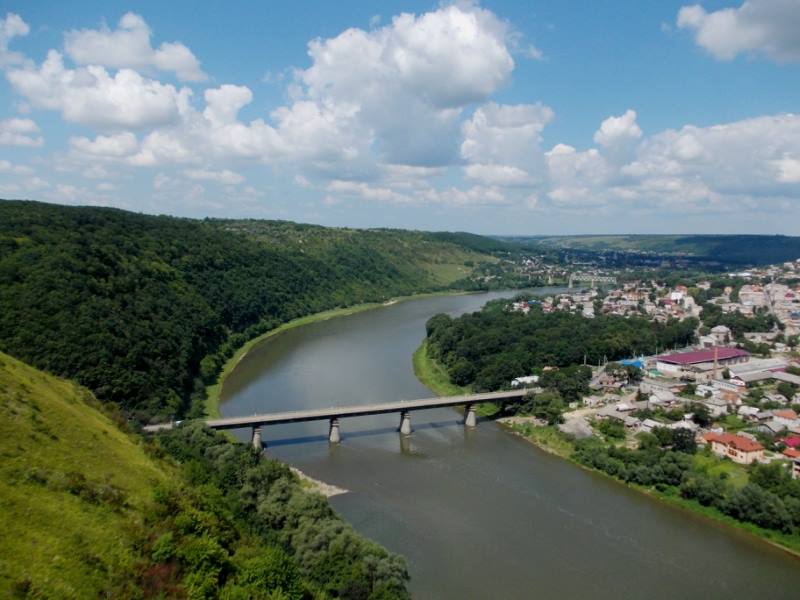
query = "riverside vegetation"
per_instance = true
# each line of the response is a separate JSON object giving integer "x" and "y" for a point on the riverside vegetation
{"x": 143, "y": 311}
{"x": 485, "y": 350}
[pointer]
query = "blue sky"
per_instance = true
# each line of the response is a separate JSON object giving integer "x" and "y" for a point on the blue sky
{"x": 498, "y": 117}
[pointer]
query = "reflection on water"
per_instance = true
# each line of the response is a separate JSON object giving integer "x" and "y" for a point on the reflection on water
{"x": 479, "y": 513}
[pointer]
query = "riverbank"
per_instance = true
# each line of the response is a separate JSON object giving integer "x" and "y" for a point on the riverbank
{"x": 434, "y": 377}
{"x": 551, "y": 440}
{"x": 214, "y": 391}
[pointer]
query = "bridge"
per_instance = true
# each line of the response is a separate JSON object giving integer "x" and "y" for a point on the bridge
{"x": 591, "y": 278}
{"x": 335, "y": 413}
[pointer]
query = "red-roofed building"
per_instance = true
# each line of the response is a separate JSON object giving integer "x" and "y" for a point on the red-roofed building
{"x": 738, "y": 448}
{"x": 791, "y": 453}
{"x": 682, "y": 363}
{"x": 792, "y": 442}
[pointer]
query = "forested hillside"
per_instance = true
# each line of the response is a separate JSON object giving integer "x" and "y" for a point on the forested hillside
{"x": 489, "y": 348}
{"x": 727, "y": 249}
{"x": 144, "y": 309}
{"x": 89, "y": 511}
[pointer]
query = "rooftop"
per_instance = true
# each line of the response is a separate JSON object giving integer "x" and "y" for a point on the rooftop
{"x": 737, "y": 441}
{"x": 785, "y": 414}
{"x": 701, "y": 356}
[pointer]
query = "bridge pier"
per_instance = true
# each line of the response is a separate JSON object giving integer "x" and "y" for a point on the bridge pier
{"x": 405, "y": 423}
{"x": 333, "y": 434}
{"x": 256, "y": 439}
{"x": 470, "y": 419}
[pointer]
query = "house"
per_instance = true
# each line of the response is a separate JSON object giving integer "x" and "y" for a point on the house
{"x": 748, "y": 412}
{"x": 525, "y": 381}
{"x": 738, "y": 448}
{"x": 650, "y": 386}
{"x": 721, "y": 334}
{"x": 661, "y": 397}
{"x": 608, "y": 382}
{"x": 772, "y": 427}
{"x": 775, "y": 397}
{"x": 705, "y": 391}
{"x": 631, "y": 422}
{"x": 786, "y": 417}
{"x": 792, "y": 442}
{"x": 649, "y": 424}
{"x": 686, "y": 423}
{"x": 716, "y": 406}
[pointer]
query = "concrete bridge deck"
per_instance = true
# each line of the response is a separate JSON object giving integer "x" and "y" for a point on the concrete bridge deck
{"x": 334, "y": 413}
{"x": 339, "y": 412}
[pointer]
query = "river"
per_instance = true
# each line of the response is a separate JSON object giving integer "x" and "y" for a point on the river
{"x": 481, "y": 513}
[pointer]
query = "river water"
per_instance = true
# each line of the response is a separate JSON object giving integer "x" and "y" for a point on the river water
{"x": 481, "y": 513}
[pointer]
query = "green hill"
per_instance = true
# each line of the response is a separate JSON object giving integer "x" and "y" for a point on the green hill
{"x": 143, "y": 310}
{"x": 69, "y": 481}
{"x": 727, "y": 249}
{"x": 89, "y": 511}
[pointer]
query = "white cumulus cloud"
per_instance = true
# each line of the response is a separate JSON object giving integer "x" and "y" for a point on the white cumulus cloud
{"x": 129, "y": 46}
{"x": 225, "y": 176}
{"x": 404, "y": 85}
{"x": 19, "y": 132}
{"x": 11, "y": 26}
{"x": 91, "y": 96}
{"x": 771, "y": 27}
{"x": 618, "y": 130}
{"x": 107, "y": 146}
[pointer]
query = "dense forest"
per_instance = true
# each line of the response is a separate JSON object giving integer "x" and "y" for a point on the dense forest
{"x": 489, "y": 348}
{"x": 143, "y": 309}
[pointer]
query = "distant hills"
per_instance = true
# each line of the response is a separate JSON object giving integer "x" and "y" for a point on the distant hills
{"x": 726, "y": 249}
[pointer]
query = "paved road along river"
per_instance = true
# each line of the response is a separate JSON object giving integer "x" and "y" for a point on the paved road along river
{"x": 480, "y": 514}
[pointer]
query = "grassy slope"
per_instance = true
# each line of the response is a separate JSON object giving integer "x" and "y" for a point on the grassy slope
{"x": 49, "y": 426}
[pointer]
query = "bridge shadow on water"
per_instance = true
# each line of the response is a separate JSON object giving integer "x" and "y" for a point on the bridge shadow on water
{"x": 364, "y": 433}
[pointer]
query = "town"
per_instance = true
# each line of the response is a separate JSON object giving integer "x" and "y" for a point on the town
{"x": 736, "y": 389}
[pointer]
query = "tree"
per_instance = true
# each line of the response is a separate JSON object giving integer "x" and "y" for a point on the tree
{"x": 612, "y": 428}
{"x": 772, "y": 477}
{"x": 787, "y": 390}
{"x": 683, "y": 440}
{"x": 700, "y": 414}
{"x": 548, "y": 406}
{"x": 753, "y": 503}
{"x": 272, "y": 571}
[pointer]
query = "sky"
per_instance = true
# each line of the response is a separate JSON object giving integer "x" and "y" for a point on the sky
{"x": 499, "y": 117}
